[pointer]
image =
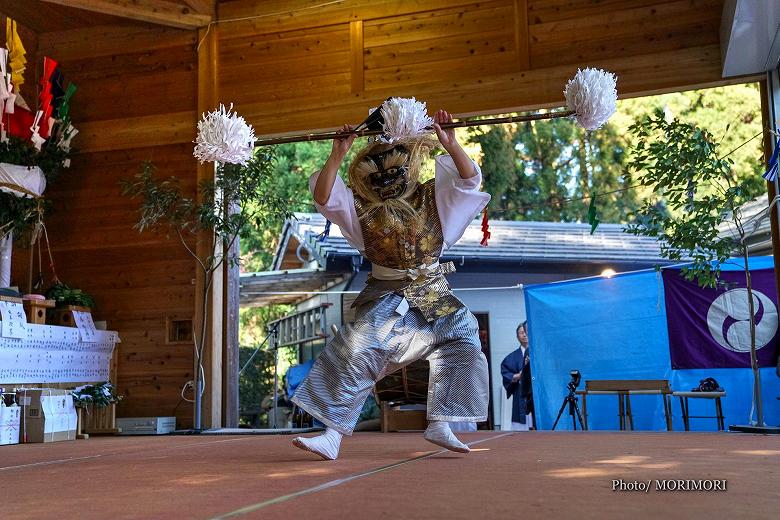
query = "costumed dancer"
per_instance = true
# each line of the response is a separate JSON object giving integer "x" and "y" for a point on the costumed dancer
{"x": 407, "y": 310}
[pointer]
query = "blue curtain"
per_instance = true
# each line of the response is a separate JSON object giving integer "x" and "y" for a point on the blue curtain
{"x": 615, "y": 328}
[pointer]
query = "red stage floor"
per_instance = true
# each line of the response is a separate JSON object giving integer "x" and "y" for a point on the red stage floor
{"x": 520, "y": 475}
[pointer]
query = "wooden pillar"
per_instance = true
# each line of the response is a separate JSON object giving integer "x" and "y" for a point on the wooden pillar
{"x": 230, "y": 341}
{"x": 768, "y": 123}
{"x": 212, "y": 352}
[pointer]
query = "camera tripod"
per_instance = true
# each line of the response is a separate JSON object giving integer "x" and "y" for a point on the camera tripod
{"x": 574, "y": 409}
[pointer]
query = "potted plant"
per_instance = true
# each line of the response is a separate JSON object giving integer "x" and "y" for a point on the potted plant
{"x": 67, "y": 300}
{"x": 96, "y": 408}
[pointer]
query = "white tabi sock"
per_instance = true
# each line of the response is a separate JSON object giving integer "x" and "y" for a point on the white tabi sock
{"x": 326, "y": 445}
{"x": 439, "y": 433}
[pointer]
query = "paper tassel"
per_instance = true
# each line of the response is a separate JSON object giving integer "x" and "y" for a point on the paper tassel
{"x": 593, "y": 218}
{"x": 592, "y": 95}
{"x": 771, "y": 171}
{"x": 404, "y": 118}
{"x": 485, "y": 229}
{"x": 224, "y": 136}
{"x": 326, "y": 232}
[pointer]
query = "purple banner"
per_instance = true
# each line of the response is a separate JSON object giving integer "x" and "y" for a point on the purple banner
{"x": 710, "y": 328}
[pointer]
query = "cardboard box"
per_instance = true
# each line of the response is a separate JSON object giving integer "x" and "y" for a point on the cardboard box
{"x": 146, "y": 425}
{"x": 48, "y": 415}
{"x": 10, "y": 421}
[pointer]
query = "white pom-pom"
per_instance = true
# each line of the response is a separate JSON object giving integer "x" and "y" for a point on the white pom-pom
{"x": 591, "y": 94}
{"x": 404, "y": 118}
{"x": 224, "y": 136}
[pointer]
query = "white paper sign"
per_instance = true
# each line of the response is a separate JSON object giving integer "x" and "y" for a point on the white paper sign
{"x": 55, "y": 354}
{"x": 86, "y": 326}
{"x": 14, "y": 323}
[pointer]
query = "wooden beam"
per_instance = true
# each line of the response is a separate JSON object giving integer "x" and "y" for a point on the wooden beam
{"x": 356, "y": 56}
{"x": 137, "y": 132}
{"x": 521, "y": 34}
{"x": 201, "y": 6}
{"x": 160, "y": 12}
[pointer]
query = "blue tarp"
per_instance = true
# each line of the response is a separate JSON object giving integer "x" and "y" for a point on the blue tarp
{"x": 615, "y": 328}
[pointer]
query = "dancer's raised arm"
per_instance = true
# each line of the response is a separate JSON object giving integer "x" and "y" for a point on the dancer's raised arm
{"x": 450, "y": 143}
{"x": 328, "y": 173}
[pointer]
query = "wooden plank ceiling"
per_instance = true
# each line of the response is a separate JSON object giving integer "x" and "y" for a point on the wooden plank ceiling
{"x": 290, "y": 68}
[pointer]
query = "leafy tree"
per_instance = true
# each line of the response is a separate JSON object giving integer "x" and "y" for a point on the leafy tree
{"x": 683, "y": 163}
{"x": 548, "y": 170}
{"x": 239, "y": 200}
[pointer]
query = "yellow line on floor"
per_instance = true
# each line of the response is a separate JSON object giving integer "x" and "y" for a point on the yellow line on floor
{"x": 337, "y": 482}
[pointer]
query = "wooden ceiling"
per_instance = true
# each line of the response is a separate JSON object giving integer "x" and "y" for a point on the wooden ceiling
{"x": 44, "y": 16}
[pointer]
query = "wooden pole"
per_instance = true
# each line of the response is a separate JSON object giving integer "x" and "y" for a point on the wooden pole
{"x": 456, "y": 124}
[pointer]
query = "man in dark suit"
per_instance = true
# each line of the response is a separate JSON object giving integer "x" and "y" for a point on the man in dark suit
{"x": 516, "y": 375}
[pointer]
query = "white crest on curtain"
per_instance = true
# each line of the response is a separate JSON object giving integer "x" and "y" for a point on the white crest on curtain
{"x": 225, "y": 137}
{"x": 592, "y": 95}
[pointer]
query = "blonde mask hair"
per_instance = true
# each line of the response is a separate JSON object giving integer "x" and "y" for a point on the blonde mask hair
{"x": 416, "y": 149}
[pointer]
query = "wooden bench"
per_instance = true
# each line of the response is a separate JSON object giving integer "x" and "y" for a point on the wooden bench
{"x": 624, "y": 389}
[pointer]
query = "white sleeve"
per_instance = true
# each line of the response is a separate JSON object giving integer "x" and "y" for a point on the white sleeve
{"x": 340, "y": 209}
{"x": 458, "y": 200}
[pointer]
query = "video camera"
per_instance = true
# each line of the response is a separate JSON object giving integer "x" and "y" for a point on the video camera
{"x": 575, "y": 380}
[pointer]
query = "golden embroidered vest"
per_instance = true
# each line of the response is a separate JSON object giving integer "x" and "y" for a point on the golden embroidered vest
{"x": 409, "y": 245}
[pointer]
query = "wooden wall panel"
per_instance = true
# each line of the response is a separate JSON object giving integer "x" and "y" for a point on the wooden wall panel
{"x": 136, "y": 101}
{"x": 470, "y": 57}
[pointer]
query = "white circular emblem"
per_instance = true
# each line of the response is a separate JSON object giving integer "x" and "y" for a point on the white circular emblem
{"x": 729, "y": 320}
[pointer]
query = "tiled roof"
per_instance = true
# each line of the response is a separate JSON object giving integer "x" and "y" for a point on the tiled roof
{"x": 526, "y": 242}
{"x": 756, "y": 221}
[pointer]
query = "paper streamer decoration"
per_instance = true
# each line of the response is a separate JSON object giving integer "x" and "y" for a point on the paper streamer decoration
{"x": 771, "y": 171}
{"x": 485, "y": 229}
{"x": 16, "y": 52}
{"x": 63, "y": 111}
{"x": 593, "y": 218}
{"x": 325, "y": 233}
{"x": 45, "y": 98}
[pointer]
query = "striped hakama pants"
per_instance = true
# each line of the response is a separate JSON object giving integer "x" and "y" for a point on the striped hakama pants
{"x": 382, "y": 340}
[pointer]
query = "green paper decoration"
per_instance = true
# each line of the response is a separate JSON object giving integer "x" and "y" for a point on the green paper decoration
{"x": 593, "y": 218}
{"x": 64, "y": 110}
